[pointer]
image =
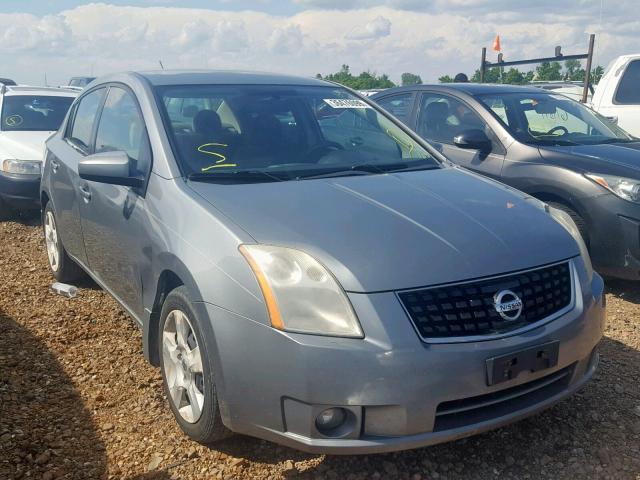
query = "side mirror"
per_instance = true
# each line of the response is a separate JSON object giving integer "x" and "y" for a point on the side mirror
{"x": 474, "y": 139}
{"x": 108, "y": 167}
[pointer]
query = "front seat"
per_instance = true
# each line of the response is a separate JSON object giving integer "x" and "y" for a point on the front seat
{"x": 207, "y": 123}
{"x": 434, "y": 126}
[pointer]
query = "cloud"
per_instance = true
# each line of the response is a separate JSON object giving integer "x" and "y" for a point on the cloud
{"x": 376, "y": 28}
{"x": 400, "y": 36}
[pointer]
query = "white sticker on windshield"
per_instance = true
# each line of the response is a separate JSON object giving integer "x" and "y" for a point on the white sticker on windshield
{"x": 346, "y": 103}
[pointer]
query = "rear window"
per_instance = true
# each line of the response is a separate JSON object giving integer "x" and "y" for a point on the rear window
{"x": 628, "y": 92}
{"x": 34, "y": 112}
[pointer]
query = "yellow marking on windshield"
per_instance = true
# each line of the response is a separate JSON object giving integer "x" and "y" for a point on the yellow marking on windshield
{"x": 221, "y": 158}
{"x": 218, "y": 165}
{"x": 409, "y": 146}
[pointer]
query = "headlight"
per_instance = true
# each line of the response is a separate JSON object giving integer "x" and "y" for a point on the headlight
{"x": 22, "y": 167}
{"x": 626, "y": 188}
{"x": 301, "y": 294}
{"x": 564, "y": 219}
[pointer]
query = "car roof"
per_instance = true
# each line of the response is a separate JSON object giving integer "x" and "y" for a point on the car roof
{"x": 468, "y": 88}
{"x": 34, "y": 90}
{"x": 222, "y": 77}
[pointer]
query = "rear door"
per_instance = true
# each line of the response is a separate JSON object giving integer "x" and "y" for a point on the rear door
{"x": 65, "y": 183}
{"x": 441, "y": 117}
{"x": 114, "y": 216}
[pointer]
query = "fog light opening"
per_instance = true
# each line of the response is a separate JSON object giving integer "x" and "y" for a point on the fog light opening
{"x": 335, "y": 422}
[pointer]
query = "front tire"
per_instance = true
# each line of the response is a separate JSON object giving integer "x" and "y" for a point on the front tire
{"x": 63, "y": 268}
{"x": 187, "y": 370}
{"x": 575, "y": 216}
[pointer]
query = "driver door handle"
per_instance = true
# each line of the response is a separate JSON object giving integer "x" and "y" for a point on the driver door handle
{"x": 85, "y": 192}
{"x": 54, "y": 165}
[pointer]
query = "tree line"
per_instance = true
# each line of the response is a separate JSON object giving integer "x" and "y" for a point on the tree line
{"x": 546, "y": 71}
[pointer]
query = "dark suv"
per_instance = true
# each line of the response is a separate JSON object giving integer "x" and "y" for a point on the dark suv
{"x": 544, "y": 144}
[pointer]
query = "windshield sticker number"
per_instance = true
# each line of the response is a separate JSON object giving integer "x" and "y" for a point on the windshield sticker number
{"x": 346, "y": 103}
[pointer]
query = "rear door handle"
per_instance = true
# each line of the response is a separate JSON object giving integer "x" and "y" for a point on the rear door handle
{"x": 85, "y": 192}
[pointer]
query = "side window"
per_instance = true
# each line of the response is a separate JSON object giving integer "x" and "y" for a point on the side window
{"x": 441, "y": 118}
{"x": 398, "y": 105}
{"x": 122, "y": 128}
{"x": 84, "y": 116}
{"x": 628, "y": 92}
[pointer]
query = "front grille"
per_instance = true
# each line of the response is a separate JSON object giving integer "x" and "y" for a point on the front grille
{"x": 470, "y": 411}
{"x": 468, "y": 309}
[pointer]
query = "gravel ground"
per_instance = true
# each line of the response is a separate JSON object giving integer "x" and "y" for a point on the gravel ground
{"x": 78, "y": 400}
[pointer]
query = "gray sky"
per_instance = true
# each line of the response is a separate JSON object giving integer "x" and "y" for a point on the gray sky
{"x": 63, "y": 38}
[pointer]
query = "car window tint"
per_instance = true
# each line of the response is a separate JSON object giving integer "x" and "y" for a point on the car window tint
{"x": 442, "y": 117}
{"x": 628, "y": 92}
{"x": 122, "y": 128}
{"x": 542, "y": 121}
{"x": 351, "y": 130}
{"x": 497, "y": 106}
{"x": 85, "y": 115}
{"x": 34, "y": 112}
{"x": 398, "y": 105}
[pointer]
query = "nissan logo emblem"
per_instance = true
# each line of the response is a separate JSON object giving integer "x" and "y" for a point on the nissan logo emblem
{"x": 508, "y": 305}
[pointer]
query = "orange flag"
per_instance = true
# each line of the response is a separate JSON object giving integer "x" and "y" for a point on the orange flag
{"x": 496, "y": 44}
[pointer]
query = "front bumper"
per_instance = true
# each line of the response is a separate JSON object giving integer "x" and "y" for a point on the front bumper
{"x": 20, "y": 191}
{"x": 615, "y": 236}
{"x": 273, "y": 384}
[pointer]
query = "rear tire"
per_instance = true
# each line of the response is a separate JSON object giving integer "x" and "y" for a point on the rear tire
{"x": 578, "y": 220}
{"x": 187, "y": 370}
{"x": 63, "y": 268}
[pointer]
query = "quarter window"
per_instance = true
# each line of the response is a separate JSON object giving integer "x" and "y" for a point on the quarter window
{"x": 84, "y": 118}
{"x": 121, "y": 128}
{"x": 628, "y": 92}
{"x": 398, "y": 105}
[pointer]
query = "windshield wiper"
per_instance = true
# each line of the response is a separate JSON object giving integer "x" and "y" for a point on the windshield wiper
{"x": 240, "y": 176}
{"x": 615, "y": 140}
{"x": 368, "y": 169}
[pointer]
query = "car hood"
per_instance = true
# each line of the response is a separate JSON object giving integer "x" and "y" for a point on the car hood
{"x": 616, "y": 159}
{"x": 398, "y": 231}
{"x": 23, "y": 145}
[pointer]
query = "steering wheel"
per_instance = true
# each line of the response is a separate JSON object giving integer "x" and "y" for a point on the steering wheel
{"x": 323, "y": 148}
{"x": 557, "y": 129}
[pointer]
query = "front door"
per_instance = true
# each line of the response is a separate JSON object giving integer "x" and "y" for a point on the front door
{"x": 441, "y": 117}
{"x": 114, "y": 216}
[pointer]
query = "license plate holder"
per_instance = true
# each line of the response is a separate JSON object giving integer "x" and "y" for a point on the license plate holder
{"x": 507, "y": 367}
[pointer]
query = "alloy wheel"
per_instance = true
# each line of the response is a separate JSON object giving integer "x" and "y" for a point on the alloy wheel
{"x": 182, "y": 362}
{"x": 51, "y": 240}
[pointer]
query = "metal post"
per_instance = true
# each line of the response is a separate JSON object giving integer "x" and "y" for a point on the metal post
{"x": 483, "y": 64}
{"x": 587, "y": 75}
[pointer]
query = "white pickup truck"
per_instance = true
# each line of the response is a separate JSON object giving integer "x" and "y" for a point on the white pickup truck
{"x": 617, "y": 95}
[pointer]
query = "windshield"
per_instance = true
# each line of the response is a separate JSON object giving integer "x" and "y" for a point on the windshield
{"x": 33, "y": 112}
{"x": 550, "y": 119}
{"x": 270, "y": 132}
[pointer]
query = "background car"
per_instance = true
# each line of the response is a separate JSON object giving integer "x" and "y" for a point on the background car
{"x": 618, "y": 93}
{"x": 546, "y": 145}
{"x": 306, "y": 270}
{"x": 572, "y": 89}
{"x": 80, "y": 82}
{"x": 28, "y": 116}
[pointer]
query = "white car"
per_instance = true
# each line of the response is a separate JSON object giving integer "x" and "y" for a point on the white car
{"x": 28, "y": 116}
{"x": 618, "y": 93}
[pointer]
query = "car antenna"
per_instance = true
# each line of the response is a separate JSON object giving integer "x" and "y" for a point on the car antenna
{"x": 161, "y": 65}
